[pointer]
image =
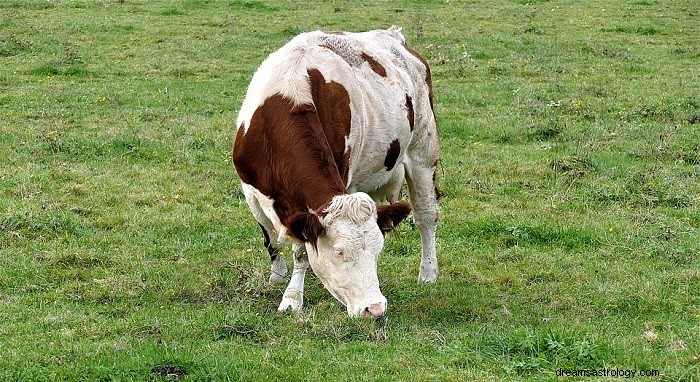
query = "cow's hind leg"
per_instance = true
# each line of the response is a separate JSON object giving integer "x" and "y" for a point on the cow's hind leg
{"x": 294, "y": 294}
{"x": 424, "y": 197}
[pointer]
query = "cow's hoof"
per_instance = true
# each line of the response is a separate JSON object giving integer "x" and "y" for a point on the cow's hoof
{"x": 277, "y": 278}
{"x": 291, "y": 300}
{"x": 427, "y": 277}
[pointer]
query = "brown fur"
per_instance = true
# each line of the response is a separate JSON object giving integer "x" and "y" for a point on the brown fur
{"x": 392, "y": 154}
{"x": 332, "y": 103}
{"x": 374, "y": 64}
{"x": 286, "y": 156}
{"x": 411, "y": 112}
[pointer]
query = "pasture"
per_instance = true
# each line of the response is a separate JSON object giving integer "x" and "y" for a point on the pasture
{"x": 569, "y": 236}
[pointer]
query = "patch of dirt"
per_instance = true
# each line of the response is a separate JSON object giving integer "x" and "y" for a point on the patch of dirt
{"x": 169, "y": 371}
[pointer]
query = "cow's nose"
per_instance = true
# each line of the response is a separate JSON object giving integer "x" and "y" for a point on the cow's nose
{"x": 376, "y": 310}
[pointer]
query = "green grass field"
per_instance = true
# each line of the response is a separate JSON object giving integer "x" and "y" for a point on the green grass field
{"x": 570, "y": 231}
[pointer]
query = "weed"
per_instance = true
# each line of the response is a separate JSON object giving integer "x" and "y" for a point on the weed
{"x": 71, "y": 65}
{"x": 691, "y": 155}
{"x": 246, "y": 325}
{"x": 544, "y": 133}
{"x": 255, "y": 5}
{"x": 291, "y": 31}
{"x": 12, "y": 45}
{"x": 576, "y": 165}
{"x": 172, "y": 12}
{"x": 642, "y": 30}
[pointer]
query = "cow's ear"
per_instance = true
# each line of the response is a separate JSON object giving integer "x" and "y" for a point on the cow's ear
{"x": 390, "y": 215}
{"x": 305, "y": 227}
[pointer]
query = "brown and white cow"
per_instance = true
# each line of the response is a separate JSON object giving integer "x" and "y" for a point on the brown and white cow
{"x": 331, "y": 124}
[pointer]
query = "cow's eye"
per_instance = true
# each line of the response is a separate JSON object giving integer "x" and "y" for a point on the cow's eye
{"x": 339, "y": 253}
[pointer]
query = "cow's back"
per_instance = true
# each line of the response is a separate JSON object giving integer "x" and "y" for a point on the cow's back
{"x": 389, "y": 92}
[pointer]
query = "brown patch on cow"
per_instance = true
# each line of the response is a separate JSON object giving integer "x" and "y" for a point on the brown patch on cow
{"x": 374, "y": 64}
{"x": 428, "y": 76}
{"x": 332, "y": 103}
{"x": 411, "y": 113}
{"x": 273, "y": 252}
{"x": 392, "y": 154}
{"x": 286, "y": 156}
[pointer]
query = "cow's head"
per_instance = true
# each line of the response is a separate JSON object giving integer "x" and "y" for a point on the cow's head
{"x": 343, "y": 246}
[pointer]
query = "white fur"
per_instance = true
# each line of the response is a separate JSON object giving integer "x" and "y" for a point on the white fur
{"x": 345, "y": 259}
{"x": 284, "y": 73}
{"x": 358, "y": 207}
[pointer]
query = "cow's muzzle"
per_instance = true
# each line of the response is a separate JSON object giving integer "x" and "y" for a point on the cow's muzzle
{"x": 375, "y": 310}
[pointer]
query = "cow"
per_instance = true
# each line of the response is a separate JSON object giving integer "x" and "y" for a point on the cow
{"x": 332, "y": 124}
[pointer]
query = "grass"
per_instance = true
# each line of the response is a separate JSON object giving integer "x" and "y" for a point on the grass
{"x": 570, "y": 225}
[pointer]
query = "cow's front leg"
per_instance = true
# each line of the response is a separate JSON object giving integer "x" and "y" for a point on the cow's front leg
{"x": 294, "y": 294}
{"x": 278, "y": 269}
{"x": 424, "y": 197}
